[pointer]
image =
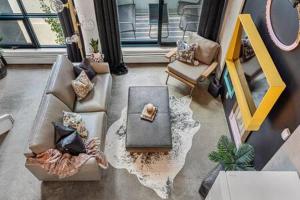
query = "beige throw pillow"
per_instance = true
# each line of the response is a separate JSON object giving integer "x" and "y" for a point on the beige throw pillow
{"x": 74, "y": 120}
{"x": 188, "y": 55}
{"x": 82, "y": 85}
{"x": 206, "y": 51}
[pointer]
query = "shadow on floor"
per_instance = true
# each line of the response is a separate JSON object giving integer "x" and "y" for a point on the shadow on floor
{"x": 2, "y": 137}
{"x": 103, "y": 189}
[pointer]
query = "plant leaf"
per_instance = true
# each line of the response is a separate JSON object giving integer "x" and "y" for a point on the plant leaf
{"x": 214, "y": 156}
{"x": 245, "y": 154}
{"x": 225, "y": 145}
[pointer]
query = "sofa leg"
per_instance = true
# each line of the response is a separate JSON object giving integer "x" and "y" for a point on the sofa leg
{"x": 167, "y": 79}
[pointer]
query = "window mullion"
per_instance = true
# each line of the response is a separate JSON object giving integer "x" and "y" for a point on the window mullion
{"x": 28, "y": 25}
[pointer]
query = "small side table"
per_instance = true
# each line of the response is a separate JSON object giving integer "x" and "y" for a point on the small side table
{"x": 154, "y": 17}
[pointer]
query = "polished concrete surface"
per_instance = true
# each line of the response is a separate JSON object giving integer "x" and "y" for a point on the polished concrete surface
{"x": 20, "y": 94}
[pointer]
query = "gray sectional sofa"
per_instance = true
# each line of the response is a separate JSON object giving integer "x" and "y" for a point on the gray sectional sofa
{"x": 58, "y": 97}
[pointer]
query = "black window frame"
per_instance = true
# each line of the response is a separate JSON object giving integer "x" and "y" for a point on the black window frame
{"x": 155, "y": 43}
{"x": 25, "y": 17}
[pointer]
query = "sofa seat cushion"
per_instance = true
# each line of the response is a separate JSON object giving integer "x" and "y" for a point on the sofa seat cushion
{"x": 188, "y": 72}
{"x": 60, "y": 81}
{"x": 97, "y": 100}
{"x": 95, "y": 123}
{"x": 50, "y": 110}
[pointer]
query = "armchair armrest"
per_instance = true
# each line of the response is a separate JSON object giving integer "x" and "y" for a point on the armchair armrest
{"x": 209, "y": 70}
{"x": 101, "y": 68}
{"x": 171, "y": 54}
{"x": 190, "y": 6}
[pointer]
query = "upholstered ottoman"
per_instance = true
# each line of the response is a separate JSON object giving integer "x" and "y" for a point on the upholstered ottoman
{"x": 145, "y": 136}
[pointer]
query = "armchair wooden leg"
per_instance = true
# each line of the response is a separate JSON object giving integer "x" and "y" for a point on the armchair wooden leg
{"x": 167, "y": 79}
{"x": 191, "y": 91}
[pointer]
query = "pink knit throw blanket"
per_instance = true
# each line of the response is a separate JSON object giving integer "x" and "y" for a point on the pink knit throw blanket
{"x": 64, "y": 164}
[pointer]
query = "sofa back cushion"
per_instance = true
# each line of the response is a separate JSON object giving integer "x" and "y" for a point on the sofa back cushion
{"x": 50, "y": 110}
{"x": 207, "y": 50}
{"x": 60, "y": 81}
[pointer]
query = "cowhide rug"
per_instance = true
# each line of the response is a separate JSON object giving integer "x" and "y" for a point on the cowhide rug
{"x": 155, "y": 170}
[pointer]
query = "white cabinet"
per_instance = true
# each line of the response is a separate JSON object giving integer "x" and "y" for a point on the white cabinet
{"x": 255, "y": 185}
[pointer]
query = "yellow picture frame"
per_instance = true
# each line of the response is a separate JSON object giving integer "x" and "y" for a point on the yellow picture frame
{"x": 252, "y": 117}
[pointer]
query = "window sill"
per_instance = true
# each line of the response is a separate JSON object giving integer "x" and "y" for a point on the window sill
{"x": 48, "y": 55}
{"x": 32, "y": 56}
{"x": 145, "y": 54}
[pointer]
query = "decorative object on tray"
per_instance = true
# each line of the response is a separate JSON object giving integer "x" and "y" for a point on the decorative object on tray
{"x": 186, "y": 52}
{"x": 96, "y": 56}
{"x": 85, "y": 66}
{"x": 150, "y": 168}
{"x": 149, "y": 112}
{"x": 82, "y": 86}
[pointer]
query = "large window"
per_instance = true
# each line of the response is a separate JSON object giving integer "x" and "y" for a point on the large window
{"x": 29, "y": 24}
{"x": 157, "y": 21}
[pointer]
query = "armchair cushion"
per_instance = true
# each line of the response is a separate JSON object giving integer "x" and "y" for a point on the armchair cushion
{"x": 188, "y": 72}
{"x": 207, "y": 49}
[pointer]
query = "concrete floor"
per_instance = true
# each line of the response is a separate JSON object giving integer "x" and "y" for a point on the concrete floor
{"x": 20, "y": 94}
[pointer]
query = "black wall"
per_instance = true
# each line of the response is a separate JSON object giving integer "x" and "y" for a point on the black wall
{"x": 286, "y": 112}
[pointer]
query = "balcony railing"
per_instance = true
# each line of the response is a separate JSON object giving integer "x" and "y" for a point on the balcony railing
{"x": 139, "y": 21}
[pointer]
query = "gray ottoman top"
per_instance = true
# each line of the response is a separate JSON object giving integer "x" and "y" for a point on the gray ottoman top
{"x": 143, "y": 135}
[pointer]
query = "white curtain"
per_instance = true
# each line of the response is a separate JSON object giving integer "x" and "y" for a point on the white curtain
{"x": 233, "y": 9}
{"x": 87, "y": 18}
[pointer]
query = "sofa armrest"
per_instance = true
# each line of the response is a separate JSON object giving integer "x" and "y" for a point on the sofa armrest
{"x": 28, "y": 153}
{"x": 101, "y": 68}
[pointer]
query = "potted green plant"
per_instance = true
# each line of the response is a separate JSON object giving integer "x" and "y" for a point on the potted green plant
{"x": 95, "y": 45}
{"x": 96, "y": 56}
{"x": 229, "y": 158}
{"x": 3, "y": 70}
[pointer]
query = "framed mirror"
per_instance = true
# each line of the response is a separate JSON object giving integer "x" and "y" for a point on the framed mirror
{"x": 256, "y": 81}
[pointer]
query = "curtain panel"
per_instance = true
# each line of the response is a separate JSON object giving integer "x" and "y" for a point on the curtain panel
{"x": 68, "y": 29}
{"x": 108, "y": 27}
{"x": 210, "y": 20}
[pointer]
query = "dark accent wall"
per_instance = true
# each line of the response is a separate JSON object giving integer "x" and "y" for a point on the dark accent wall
{"x": 286, "y": 112}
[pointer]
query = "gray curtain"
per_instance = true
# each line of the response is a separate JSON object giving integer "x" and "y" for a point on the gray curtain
{"x": 68, "y": 29}
{"x": 108, "y": 26}
{"x": 210, "y": 20}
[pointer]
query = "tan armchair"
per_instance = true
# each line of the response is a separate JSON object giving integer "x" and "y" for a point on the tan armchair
{"x": 206, "y": 54}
